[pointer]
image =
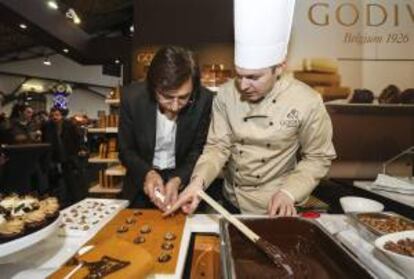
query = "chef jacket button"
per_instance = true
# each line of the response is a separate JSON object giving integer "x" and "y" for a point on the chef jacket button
{"x": 274, "y": 101}
{"x": 255, "y": 186}
{"x": 236, "y": 185}
{"x": 263, "y": 161}
{"x": 245, "y": 119}
{"x": 241, "y": 152}
{"x": 242, "y": 141}
{"x": 237, "y": 170}
{"x": 257, "y": 176}
{"x": 268, "y": 145}
{"x": 271, "y": 123}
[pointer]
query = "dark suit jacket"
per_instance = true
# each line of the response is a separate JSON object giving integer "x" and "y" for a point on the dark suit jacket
{"x": 137, "y": 130}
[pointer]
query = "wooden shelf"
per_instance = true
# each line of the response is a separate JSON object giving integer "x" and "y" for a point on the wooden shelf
{"x": 108, "y": 130}
{"x": 113, "y": 101}
{"x": 98, "y": 160}
{"x": 98, "y": 189}
{"x": 117, "y": 170}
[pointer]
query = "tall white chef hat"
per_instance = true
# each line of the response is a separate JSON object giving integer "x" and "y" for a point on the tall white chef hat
{"x": 262, "y": 31}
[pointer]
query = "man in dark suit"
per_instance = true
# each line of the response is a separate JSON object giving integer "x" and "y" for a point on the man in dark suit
{"x": 64, "y": 137}
{"x": 163, "y": 128}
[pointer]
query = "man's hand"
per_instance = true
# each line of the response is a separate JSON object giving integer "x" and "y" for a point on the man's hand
{"x": 281, "y": 205}
{"x": 154, "y": 181}
{"x": 188, "y": 200}
{"x": 171, "y": 191}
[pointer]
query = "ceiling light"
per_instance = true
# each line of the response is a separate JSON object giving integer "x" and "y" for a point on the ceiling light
{"x": 131, "y": 28}
{"x": 23, "y": 26}
{"x": 65, "y": 50}
{"x": 33, "y": 87}
{"x": 53, "y": 5}
{"x": 47, "y": 61}
{"x": 117, "y": 61}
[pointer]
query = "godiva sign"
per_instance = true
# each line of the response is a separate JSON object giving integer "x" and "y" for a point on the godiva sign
{"x": 370, "y": 14}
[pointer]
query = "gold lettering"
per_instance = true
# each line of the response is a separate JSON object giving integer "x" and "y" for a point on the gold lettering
{"x": 339, "y": 18}
{"x": 369, "y": 15}
{"x": 410, "y": 12}
{"x": 311, "y": 14}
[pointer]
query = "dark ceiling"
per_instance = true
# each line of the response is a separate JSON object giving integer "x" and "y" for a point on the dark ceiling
{"x": 100, "y": 19}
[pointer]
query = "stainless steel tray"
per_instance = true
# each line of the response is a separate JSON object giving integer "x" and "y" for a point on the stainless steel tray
{"x": 369, "y": 232}
{"x": 323, "y": 243}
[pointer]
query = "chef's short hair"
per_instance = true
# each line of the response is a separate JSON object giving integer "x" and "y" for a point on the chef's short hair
{"x": 170, "y": 68}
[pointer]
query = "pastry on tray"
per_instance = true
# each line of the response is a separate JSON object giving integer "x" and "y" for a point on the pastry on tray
{"x": 21, "y": 215}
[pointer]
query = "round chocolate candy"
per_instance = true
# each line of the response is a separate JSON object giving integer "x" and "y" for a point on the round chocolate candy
{"x": 137, "y": 213}
{"x": 139, "y": 239}
{"x": 164, "y": 257}
{"x": 167, "y": 246}
{"x": 122, "y": 229}
{"x": 145, "y": 229}
{"x": 169, "y": 236}
{"x": 130, "y": 220}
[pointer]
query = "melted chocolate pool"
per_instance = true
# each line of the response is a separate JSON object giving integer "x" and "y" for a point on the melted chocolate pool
{"x": 312, "y": 253}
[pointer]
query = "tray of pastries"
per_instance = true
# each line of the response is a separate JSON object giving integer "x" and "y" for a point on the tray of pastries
{"x": 376, "y": 224}
{"x": 25, "y": 220}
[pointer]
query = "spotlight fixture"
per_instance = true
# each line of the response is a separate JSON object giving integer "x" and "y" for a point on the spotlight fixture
{"x": 47, "y": 61}
{"x": 65, "y": 50}
{"x": 70, "y": 13}
{"x": 131, "y": 28}
{"x": 53, "y": 5}
{"x": 117, "y": 61}
{"x": 23, "y": 26}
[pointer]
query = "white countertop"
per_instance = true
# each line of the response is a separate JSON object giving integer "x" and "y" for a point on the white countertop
{"x": 400, "y": 198}
{"x": 44, "y": 258}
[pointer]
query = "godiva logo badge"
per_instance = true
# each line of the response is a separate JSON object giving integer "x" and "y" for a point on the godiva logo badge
{"x": 370, "y": 14}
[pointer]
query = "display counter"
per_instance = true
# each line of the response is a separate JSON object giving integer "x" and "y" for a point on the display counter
{"x": 196, "y": 244}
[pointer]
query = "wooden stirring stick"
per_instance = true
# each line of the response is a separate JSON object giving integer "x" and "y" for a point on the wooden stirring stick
{"x": 272, "y": 251}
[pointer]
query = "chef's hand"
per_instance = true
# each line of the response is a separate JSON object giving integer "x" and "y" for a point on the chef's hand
{"x": 281, "y": 205}
{"x": 152, "y": 182}
{"x": 171, "y": 191}
{"x": 188, "y": 200}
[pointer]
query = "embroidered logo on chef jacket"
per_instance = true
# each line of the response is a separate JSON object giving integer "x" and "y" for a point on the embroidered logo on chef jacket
{"x": 291, "y": 119}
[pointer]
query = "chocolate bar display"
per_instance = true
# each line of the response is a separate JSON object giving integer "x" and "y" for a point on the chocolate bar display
{"x": 312, "y": 251}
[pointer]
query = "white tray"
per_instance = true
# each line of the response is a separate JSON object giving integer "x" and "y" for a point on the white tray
{"x": 93, "y": 219}
{"x": 21, "y": 243}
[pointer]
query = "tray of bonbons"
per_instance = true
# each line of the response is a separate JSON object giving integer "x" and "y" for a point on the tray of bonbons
{"x": 89, "y": 215}
{"x": 25, "y": 220}
{"x": 376, "y": 224}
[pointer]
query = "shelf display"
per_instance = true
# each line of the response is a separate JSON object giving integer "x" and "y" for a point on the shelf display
{"x": 109, "y": 179}
{"x": 214, "y": 75}
{"x": 323, "y": 75}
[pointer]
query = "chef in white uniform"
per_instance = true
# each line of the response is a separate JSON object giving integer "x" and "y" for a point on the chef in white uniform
{"x": 273, "y": 131}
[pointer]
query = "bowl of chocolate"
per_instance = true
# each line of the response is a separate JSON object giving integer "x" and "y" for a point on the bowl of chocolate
{"x": 309, "y": 250}
{"x": 399, "y": 248}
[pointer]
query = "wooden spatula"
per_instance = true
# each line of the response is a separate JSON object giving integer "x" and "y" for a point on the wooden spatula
{"x": 272, "y": 251}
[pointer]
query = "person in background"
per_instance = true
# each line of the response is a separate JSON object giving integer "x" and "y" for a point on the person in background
{"x": 22, "y": 127}
{"x": 163, "y": 127}
{"x": 64, "y": 138}
{"x": 262, "y": 121}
